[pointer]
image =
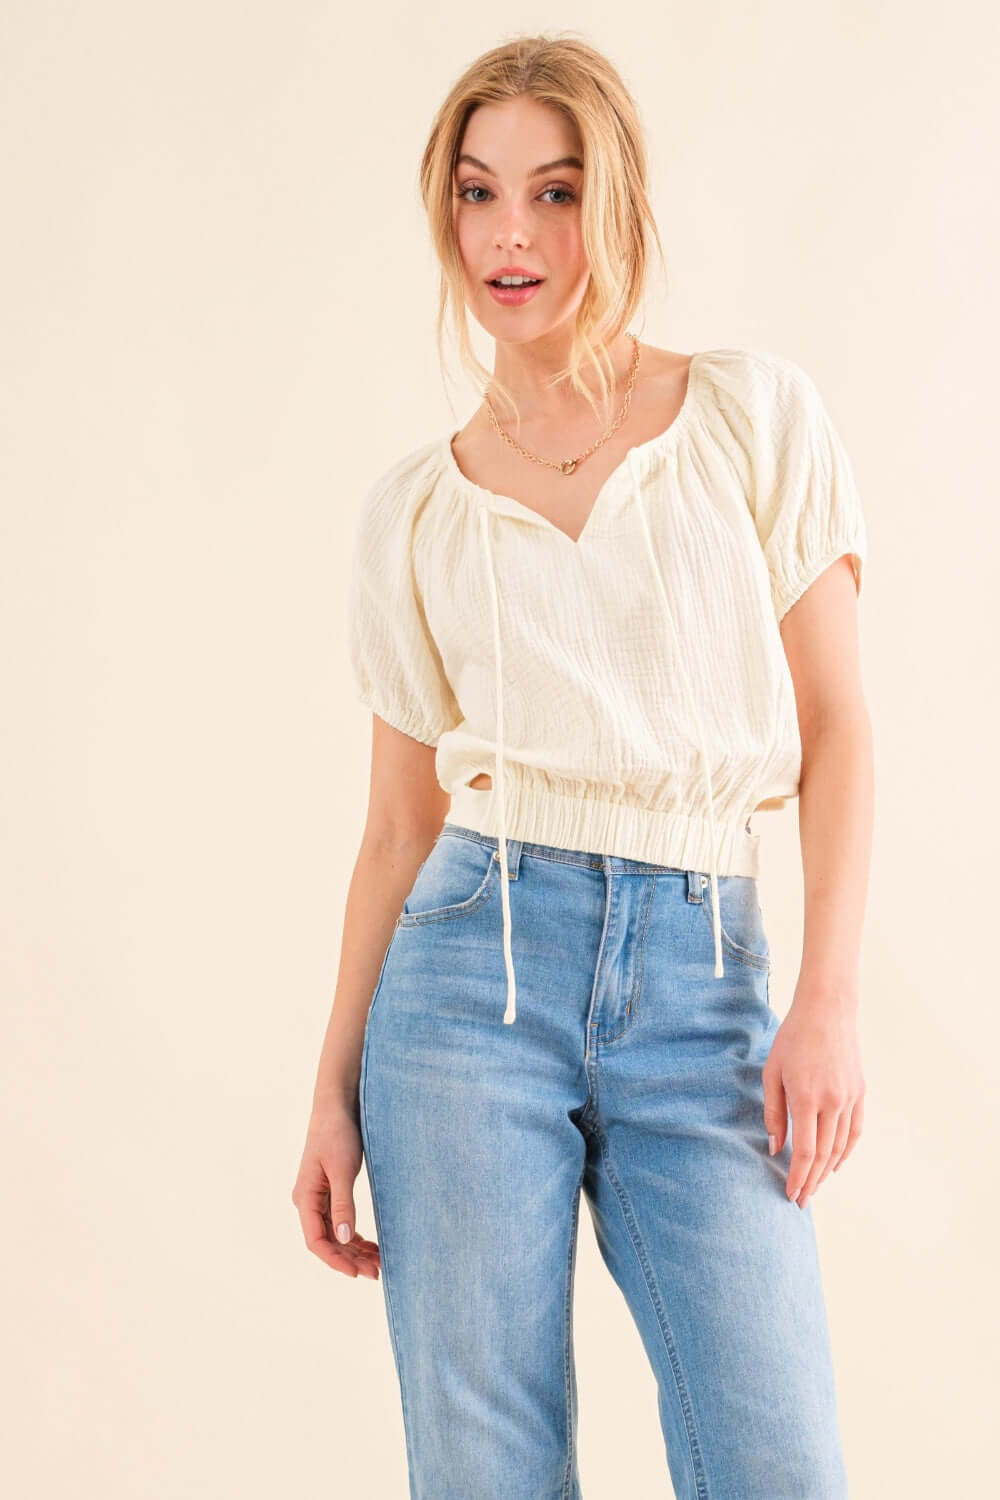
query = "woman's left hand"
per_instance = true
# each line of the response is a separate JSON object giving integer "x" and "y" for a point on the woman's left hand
{"x": 813, "y": 1073}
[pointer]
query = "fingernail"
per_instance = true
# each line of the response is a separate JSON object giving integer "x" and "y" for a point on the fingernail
{"x": 772, "y": 1143}
{"x": 343, "y": 1233}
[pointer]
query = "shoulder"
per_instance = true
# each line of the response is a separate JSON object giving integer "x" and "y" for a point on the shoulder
{"x": 755, "y": 375}
{"x": 405, "y": 478}
{"x": 759, "y": 396}
{"x": 396, "y": 497}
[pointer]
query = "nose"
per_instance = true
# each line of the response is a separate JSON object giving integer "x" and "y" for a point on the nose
{"x": 512, "y": 228}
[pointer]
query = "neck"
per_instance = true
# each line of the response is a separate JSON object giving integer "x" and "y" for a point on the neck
{"x": 527, "y": 370}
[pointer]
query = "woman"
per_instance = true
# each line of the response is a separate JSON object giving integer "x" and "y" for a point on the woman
{"x": 609, "y": 618}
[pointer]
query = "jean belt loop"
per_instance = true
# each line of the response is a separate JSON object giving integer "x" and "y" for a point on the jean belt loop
{"x": 514, "y": 847}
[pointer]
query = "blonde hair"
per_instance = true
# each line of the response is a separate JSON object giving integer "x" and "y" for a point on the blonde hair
{"x": 618, "y": 228}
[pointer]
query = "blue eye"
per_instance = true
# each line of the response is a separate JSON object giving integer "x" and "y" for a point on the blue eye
{"x": 475, "y": 187}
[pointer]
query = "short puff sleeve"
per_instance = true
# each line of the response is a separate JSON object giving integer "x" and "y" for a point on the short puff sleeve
{"x": 395, "y": 661}
{"x": 806, "y": 506}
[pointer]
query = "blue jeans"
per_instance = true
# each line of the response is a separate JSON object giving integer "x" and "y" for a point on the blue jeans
{"x": 630, "y": 1072}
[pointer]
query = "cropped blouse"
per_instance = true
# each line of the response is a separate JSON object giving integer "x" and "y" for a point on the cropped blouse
{"x": 627, "y": 692}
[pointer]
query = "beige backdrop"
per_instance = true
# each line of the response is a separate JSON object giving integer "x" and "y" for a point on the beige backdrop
{"x": 217, "y": 329}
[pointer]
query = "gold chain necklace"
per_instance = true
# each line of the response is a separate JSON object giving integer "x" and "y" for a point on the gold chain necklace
{"x": 569, "y": 464}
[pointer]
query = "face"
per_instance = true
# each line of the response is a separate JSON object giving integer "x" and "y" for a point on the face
{"x": 507, "y": 213}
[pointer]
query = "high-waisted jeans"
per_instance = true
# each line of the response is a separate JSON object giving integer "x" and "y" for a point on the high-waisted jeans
{"x": 631, "y": 1072}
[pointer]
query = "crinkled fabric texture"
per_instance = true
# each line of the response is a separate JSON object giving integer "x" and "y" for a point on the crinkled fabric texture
{"x": 611, "y": 687}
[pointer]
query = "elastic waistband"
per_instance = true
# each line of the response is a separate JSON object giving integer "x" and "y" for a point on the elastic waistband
{"x": 614, "y": 863}
{"x": 676, "y": 838}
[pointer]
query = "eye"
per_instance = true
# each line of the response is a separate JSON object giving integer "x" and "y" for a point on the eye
{"x": 474, "y": 187}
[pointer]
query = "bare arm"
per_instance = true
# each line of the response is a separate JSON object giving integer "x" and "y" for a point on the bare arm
{"x": 814, "y": 1068}
{"x": 820, "y": 635}
{"x": 406, "y": 809}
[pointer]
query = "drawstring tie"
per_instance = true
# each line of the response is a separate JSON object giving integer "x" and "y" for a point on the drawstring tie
{"x": 693, "y": 709}
{"x": 510, "y": 1014}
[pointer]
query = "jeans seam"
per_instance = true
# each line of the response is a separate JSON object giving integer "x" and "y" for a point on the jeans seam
{"x": 632, "y": 1004}
{"x": 568, "y": 1343}
{"x": 593, "y": 1028}
{"x": 396, "y": 1345}
{"x": 663, "y": 1322}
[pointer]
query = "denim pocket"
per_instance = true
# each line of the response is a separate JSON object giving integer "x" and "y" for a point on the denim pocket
{"x": 741, "y": 919}
{"x": 455, "y": 879}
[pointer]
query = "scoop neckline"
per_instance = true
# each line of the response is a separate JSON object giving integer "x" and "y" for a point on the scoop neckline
{"x": 496, "y": 499}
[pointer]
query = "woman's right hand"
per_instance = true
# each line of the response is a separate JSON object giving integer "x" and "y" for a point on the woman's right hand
{"x": 324, "y": 1193}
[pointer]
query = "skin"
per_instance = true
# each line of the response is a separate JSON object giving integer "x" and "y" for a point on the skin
{"x": 813, "y": 1081}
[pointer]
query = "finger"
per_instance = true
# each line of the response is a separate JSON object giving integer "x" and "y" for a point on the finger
{"x": 775, "y": 1109}
{"x": 803, "y": 1145}
{"x": 316, "y": 1230}
{"x": 857, "y": 1125}
{"x": 341, "y": 1207}
{"x": 826, "y": 1133}
{"x": 358, "y": 1254}
{"x": 314, "y": 1216}
{"x": 363, "y": 1246}
{"x": 364, "y": 1250}
{"x": 362, "y": 1265}
{"x": 839, "y": 1142}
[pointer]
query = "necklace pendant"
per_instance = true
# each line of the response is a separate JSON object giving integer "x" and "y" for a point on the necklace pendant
{"x": 568, "y": 465}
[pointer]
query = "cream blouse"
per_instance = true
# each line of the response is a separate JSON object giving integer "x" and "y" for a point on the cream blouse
{"x": 628, "y": 692}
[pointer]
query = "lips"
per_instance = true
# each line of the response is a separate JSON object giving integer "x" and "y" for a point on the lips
{"x": 513, "y": 271}
{"x": 514, "y": 296}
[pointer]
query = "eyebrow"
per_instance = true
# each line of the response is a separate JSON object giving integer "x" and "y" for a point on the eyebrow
{"x": 547, "y": 166}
